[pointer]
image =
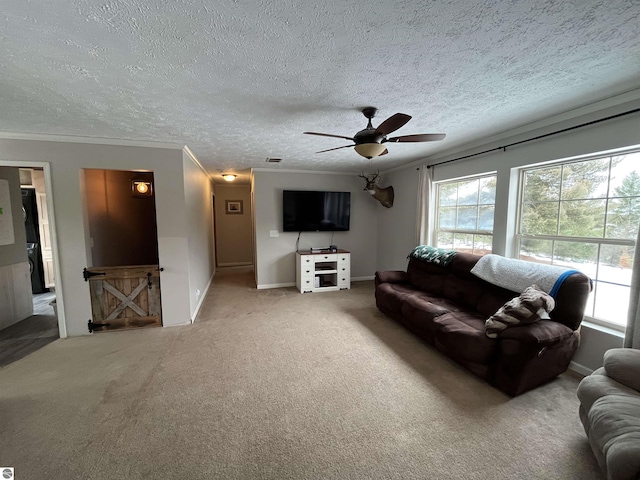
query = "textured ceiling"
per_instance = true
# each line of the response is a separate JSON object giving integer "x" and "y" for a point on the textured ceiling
{"x": 240, "y": 80}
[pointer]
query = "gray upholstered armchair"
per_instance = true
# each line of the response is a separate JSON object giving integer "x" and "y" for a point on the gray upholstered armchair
{"x": 610, "y": 413}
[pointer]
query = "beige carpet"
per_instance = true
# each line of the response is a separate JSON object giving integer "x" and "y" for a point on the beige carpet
{"x": 272, "y": 384}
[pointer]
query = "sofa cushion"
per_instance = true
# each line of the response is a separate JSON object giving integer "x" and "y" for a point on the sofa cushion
{"x": 391, "y": 276}
{"x": 427, "y": 277}
{"x": 531, "y": 306}
{"x": 420, "y": 310}
{"x": 423, "y": 307}
{"x": 391, "y": 295}
{"x": 598, "y": 385}
{"x": 623, "y": 365}
{"x": 615, "y": 431}
{"x": 418, "y": 313}
{"x": 463, "y": 291}
{"x": 460, "y": 334}
{"x": 493, "y": 298}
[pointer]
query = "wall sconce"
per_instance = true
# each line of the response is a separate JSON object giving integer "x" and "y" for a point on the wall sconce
{"x": 229, "y": 177}
{"x": 140, "y": 188}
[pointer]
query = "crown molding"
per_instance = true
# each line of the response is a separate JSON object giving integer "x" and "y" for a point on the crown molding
{"x": 314, "y": 172}
{"x": 123, "y": 142}
{"x": 187, "y": 151}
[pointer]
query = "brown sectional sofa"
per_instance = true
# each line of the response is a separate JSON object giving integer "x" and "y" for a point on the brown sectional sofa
{"x": 447, "y": 307}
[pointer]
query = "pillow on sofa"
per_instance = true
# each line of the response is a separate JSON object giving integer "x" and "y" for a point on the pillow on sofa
{"x": 532, "y": 305}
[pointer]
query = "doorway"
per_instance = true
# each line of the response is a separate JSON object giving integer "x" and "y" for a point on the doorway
{"x": 233, "y": 225}
{"x": 28, "y": 311}
{"x": 123, "y": 273}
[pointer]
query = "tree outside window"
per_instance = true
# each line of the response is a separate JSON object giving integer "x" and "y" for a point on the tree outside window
{"x": 585, "y": 215}
{"x": 464, "y": 220}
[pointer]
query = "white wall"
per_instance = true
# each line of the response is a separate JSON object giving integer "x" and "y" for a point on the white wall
{"x": 66, "y": 161}
{"x": 275, "y": 263}
{"x": 396, "y": 233}
{"x": 397, "y": 225}
{"x": 199, "y": 216}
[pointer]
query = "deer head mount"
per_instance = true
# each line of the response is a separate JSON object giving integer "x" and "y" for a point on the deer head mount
{"x": 383, "y": 195}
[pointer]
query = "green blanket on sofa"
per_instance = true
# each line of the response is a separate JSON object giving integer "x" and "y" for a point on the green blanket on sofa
{"x": 427, "y": 253}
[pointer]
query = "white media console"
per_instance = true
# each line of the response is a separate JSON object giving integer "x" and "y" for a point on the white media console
{"x": 323, "y": 271}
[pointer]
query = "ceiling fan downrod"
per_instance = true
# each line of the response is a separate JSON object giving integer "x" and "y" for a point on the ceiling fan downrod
{"x": 369, "y": 113}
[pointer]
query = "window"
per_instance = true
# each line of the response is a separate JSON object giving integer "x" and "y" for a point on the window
{"x": 465, "y": 214}
{"x": 585, "y": 215}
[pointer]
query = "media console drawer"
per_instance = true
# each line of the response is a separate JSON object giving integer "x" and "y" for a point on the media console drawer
{"x": 325, "y": 257}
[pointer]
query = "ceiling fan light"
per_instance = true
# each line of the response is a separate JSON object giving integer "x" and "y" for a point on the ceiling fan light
{"x": 370, "y": 150}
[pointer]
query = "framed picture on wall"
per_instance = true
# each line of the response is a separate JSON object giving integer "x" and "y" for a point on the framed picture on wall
{"x": 233, "y": 207}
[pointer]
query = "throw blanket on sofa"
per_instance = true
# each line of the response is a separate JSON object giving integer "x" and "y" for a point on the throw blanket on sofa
{"x": 532, "y": 305}
{"x": 517, "y": 275}
{"x": 427, "y": 253}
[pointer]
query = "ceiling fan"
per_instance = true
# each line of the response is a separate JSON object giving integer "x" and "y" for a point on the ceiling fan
{"x": 369, "y": 142}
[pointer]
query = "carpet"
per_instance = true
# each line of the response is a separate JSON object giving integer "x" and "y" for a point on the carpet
{"x": 272, "y": 384}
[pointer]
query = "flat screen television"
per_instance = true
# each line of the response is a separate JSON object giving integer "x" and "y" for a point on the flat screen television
{"x": 309, "y": 211}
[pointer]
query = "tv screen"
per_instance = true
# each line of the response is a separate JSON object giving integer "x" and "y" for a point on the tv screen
{"x": 308, "y": 211}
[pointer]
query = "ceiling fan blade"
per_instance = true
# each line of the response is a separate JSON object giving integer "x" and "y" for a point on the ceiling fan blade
{"x": 337, "y": 148}
{"x": 328, "y": 135}
{"x": 393, "y": 123}
{"x": 425, "y": 137}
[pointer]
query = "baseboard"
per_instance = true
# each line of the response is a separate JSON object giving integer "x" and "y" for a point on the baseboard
{"x": 183, "y": 324}
{"x": 235, "y": 264}
{"x": 275, "y": 285}
{"x": 282, "y": 285}
{"x": 202, "y": 297}
{"x": 362, "y": 279}
{"x": 581, "y": 369}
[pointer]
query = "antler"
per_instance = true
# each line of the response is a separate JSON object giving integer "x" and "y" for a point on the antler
{"x": 373, "y": 176}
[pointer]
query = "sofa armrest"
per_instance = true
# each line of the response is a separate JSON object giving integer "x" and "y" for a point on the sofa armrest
{"x": 623, "y": 365}
{"x": 543, "y": 332}
{"x": 391, "y": 276}
{"x": 530, "y": 355}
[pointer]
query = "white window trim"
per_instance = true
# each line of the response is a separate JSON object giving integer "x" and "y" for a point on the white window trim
{"x": 436, "y": 207}
{"x": 606, "y": 241}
